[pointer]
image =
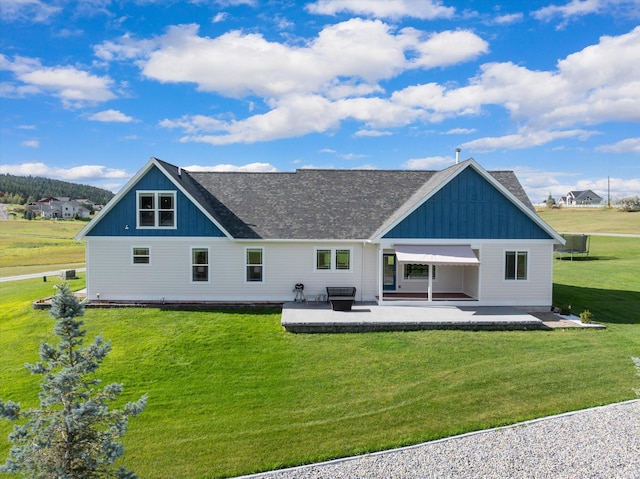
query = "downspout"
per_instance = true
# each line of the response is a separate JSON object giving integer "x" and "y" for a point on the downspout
{"x": 362, "y": 271}
{"x": 430, "y": 288}
{"x": 379, "y": 281}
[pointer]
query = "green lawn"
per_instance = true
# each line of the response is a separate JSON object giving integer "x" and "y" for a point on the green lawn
{"x": 232, "y": 393}
{"x": 591, "y": 220}
{"x": 39, "y": 245}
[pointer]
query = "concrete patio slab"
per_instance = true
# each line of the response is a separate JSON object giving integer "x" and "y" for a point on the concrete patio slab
{"x": 364, "y": 317}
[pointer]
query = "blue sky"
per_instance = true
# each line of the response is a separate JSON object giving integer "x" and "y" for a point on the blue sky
{"x": 90, "y": 89}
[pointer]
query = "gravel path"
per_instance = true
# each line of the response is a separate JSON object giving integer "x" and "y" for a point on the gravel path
{"x": 602, "y": 442}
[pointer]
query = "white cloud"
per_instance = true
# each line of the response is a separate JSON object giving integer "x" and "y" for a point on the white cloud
{"x": 460, "y": 131}
{"x": 31, "y": 143}
{"x": 507, "y": 19}
{"x": 313, "y": 86}
{"x": 344, "y": 59}
{"x": 578, "y": 8}
{"x": 429, "y": 163}
{"x": 251, "y": 167}
{"x": 93, "y": 173}
{"x": 34, "y": 11}
{"x": 124, "y": 49}
{"x": 220, "y": 17}
{"x": 524, "y": 139}
{"x": 371, "y": 133}
{"x": 571, "y": 9}
{"x": 630, "y": 145}
{"x": 73, "y": 87}
{"x": 449, "y": 48}
{"x": 294, "y": 116}
{"x": 426, "y": 9}
{"x": 111, "y": 116}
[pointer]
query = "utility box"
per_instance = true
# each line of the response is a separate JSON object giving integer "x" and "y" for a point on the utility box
{"x": 68, "y": 274}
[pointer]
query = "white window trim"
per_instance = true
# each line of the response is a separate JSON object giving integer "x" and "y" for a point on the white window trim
{"x": 156, "y": 210}
{"x": 332, "y": 265}
{"x": 504, "y": 265}
{"x": 191, "y": 265}
{"x": 133, "y": 255}
{"x": 246, "y": 264}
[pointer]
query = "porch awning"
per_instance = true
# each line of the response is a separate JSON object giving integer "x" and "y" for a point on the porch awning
{"x": 448, "y": 255}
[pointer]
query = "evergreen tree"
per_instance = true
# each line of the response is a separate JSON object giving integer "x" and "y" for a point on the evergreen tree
{"x": 550, "y": 202}
{"x": 73, "y": 434}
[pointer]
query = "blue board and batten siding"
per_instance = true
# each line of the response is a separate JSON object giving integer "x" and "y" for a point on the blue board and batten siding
{"x": 190, "y": 220}
{"x": 468, "y": 207}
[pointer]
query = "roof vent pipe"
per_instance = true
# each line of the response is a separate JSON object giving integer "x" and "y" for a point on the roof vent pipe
{"x": 458, "y": 155}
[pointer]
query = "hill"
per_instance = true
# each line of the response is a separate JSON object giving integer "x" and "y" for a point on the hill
{"x": 23, "y": 189}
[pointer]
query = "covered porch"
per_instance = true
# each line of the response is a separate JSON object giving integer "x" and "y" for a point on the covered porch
{"x": 415, "y": 274}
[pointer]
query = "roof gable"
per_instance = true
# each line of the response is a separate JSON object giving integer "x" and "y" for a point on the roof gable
{"x": 470, "y": 203}
{"x": 118, "y": 218}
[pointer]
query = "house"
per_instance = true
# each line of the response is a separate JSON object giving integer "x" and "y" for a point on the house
{"x": 585, "y": 197}
{"x": 59, "y": 208}
{"x": 462, "y": 235}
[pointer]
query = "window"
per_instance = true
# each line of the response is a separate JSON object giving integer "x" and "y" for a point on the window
{"x": 336, "y": 259}
{"x": 343, "y": 259}
{"x": 418, "y": 271}
{"x": 254, "y": 265}
{"x": 199, "y": 264}
{"x": 156, "y": 209}
{"x": 323, "y": 259}
{"x": 141, "y": 256}
{"x": 515, "y": 265}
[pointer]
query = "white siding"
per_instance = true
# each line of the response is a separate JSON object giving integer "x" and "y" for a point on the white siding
{"x": 535, "y": 291}
{"x": 113, "y": 275}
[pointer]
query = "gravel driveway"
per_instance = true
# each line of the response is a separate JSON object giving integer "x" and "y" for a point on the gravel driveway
{"x": 602, "y": 442}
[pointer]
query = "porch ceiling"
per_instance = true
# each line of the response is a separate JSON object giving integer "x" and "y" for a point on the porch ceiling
{"x": 448, "y": 255}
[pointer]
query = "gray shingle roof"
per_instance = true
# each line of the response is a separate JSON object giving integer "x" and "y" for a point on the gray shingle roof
{"x": 315, "y": 204}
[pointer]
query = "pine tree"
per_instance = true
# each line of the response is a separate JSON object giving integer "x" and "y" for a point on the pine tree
{"x": 73, "y": 434}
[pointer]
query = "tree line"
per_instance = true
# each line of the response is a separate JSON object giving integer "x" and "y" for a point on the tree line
{"x": 25, "y": 189}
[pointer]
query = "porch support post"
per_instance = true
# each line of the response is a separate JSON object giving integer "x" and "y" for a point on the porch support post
{"x": 430, "y": 289}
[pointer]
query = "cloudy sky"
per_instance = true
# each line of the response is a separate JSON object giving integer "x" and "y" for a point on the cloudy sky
{"x": 91, "y": 89}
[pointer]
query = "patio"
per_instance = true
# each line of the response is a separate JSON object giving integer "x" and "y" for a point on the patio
{"x": 367, "y": 317}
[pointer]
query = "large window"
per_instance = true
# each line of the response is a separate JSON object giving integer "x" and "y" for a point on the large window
{"x": 141, "y": 255}
{"x": 336, "y": 259}
{"x": 254, "y": 265}
{"x": 515, "y": 265}
{"x": 200, "y": 264}
{"x": 156, "y": 209}
{"x": 418, "y": 271}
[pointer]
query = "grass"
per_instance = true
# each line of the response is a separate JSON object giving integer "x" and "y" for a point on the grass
{"x": 231, "y": 393}
{"x": 591, "y": 220}
{"x": 38, "y": 245}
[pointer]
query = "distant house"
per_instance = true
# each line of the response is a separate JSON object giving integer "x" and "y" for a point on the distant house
{"x": 65, "y": 208}
{"x": 457, "y": 236}
{"x": 576, "y": 198}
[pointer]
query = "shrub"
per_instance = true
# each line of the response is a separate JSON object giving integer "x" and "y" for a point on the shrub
{"x": 631, "y": 203}
{"x": 565, "y": 309}
{"x": 586, "y": 317}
